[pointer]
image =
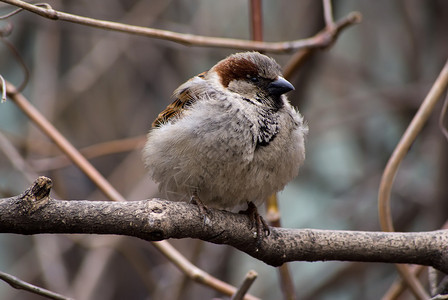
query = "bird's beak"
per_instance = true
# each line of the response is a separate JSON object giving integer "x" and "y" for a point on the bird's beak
{"x": 280, "y": 86}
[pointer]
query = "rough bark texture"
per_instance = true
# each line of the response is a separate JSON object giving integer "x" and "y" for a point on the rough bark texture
{"x": 36, "y": 212}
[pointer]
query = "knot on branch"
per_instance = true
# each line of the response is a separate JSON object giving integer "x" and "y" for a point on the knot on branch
{"x": 36, "y": 196}
{"x": 41, "y": 188}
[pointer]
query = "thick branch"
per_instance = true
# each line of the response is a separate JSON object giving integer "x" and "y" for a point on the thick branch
{"x": 35, "y": 212}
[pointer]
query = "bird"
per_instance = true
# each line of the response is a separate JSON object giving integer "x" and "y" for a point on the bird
{"x": 230, "y": 138}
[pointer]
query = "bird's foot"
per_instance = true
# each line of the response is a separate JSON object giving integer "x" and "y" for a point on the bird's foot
{"x": 203, "y": 210}
{"x": 256, "y": 221}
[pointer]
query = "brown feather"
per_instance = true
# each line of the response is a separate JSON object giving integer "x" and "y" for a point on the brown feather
{"x": 182, "y": 99}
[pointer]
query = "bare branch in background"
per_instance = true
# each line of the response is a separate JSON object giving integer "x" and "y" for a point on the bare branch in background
{"x": 3, "y": 87}
{"x": 320, "y": 40}
{"x": 22, "y": 285}
{"x": 328, "y": 14}
{"x": 245, "y": 286}
{"x": 443, "y": 116}
{"x": 391, "y": 170}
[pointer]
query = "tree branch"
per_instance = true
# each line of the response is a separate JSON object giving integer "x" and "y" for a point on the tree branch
{"x": 22, "y": 285}
{"x": 391, "y": 169}
{"x": 321, "y": 40}
{"x": 35, "y": 212}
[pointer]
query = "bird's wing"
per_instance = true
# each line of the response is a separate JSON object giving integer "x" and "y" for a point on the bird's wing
{"x": 184, "y": 96}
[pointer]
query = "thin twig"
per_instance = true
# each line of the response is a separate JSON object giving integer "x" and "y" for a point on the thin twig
{"x": 20, "y": 284}
{"x": 412, "y": 282}
{"x": 442, "y": 286}
{"x": 20, "y": 60}
{"x": 256, "y": 17}
{"x": 432, "y": 280}
{"x": 318, "y": 41}
{"x": 81, "y": 162}
{"x": 398, "y": 287}
{"x": 16, "y": 11}
{"x": 93, "y": 151}
{"x": 286, "y": 281}
{"x": 14, "y": 51}
{"x": 328, "y": 14}
{"x": 403, "y": 146}
{"x": 16, "y": 159}
{"x": 442, "y": 117}
{"x": 391, "y": 169}
{"x": 3, "y": 89}
{"x": 302, "y": 55}
{"x": 87, "y": 278}
{"x": 245, "y": 286}
{"x": 295, "y": 62}
{"x": 195, "y": 273}
{"x": 48, "y": 129}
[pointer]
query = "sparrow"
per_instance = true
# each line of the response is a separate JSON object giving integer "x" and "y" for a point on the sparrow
{"x": 230, "y": 138}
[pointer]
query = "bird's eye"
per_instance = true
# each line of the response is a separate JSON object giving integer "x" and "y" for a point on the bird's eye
{"x": 254, "y": 79}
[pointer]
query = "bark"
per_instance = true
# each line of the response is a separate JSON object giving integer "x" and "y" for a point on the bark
{"x": 35, "y": 212}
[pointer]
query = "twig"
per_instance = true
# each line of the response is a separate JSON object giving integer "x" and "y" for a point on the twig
{"x": 93, "y": 151}
{"x": 442, "y": 117}
{"x": 139, "y": 261}
{"x": 286, "y": 281}
{"x": 318, "y": 41}
{"x": 197, "y": 274}
{"x": 16, "y": 159}
{"x": 76, "y": 78}
{"x": 5, "y": 32}
{"x": 87, "y": 278}
{"x": 295, "y": 62}
{"x": 256, "y": 17}
{"x": 20, "y": 284}
{"x": 19, "y": 59}
{"x": 399, "y": 286}
{"x": 403, "y": 146}
{"x": 391, "y": 169}
{"x": 432, "y": 280}
{"x": 302, "y": 55}
{"x": 16, "y": 11}
{"x": 328, "y": 14}
{"x": 245, "y": 286}
{"x": 3, "y": 89}
{"x": 412, "y": 282}
{"x": 442, "y": 286}
{"x": 81, "y": 162}
{"x": 72, "y": 153}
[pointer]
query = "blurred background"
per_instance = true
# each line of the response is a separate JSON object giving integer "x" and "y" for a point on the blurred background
{"x": 103, "y": 89}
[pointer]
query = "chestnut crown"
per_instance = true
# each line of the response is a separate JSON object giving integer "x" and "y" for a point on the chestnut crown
{"x": 253, "y": 76}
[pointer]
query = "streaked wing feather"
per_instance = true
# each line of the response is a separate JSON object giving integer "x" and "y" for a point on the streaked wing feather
{"x": 183, "y": 97}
